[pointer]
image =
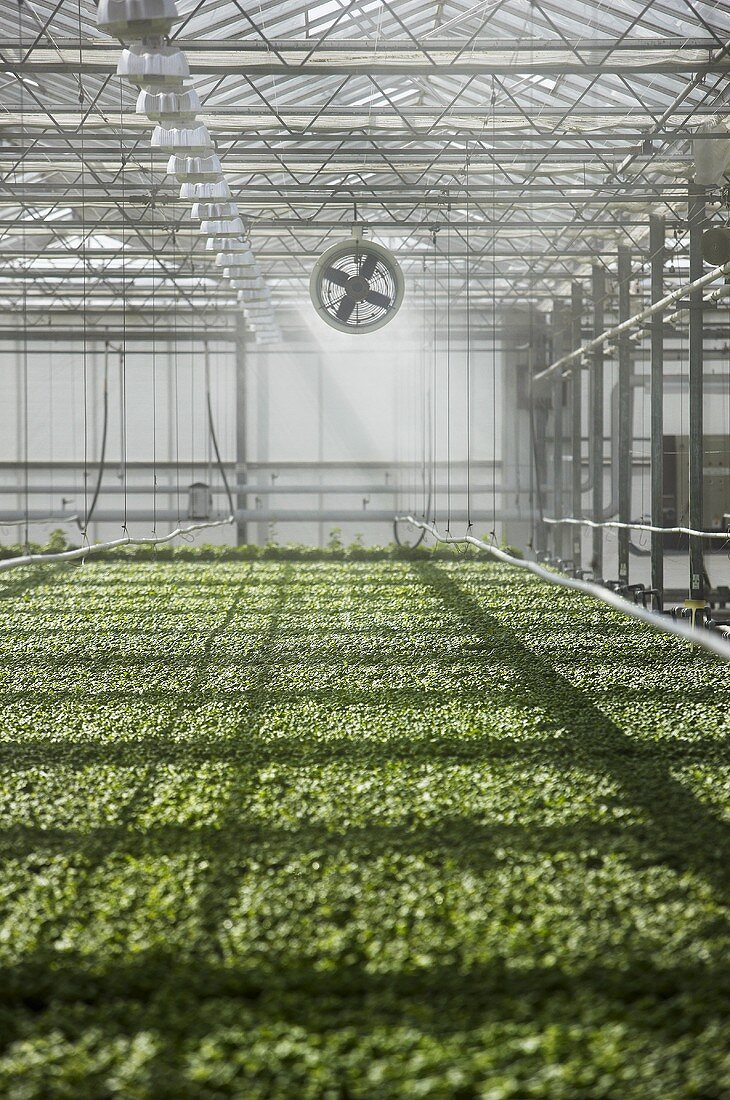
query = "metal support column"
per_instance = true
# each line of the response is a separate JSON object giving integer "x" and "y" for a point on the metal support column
{"x": 656, "y": 253}
{"x": 576, "y": 429}
{"x": 625, "y": 426}
{"x": 598, "y": 290}
{"x": 557, "y": 403}
{"x": 696, "y": 395}
{"x": 538, "y": 415}
{"x": 241, "y": 409}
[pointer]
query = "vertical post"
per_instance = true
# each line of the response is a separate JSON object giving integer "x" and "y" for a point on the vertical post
{"x": 576, "y": 431}
{"x": 656, "y": 252}
{"x": 538, "y": 413}
{"x": 598, "y": 290}
{"x": 625, "y": 404}
{"x": 696, "y": 395}
{"x": 241, "y": 410}
{"x": 557, "y": 401}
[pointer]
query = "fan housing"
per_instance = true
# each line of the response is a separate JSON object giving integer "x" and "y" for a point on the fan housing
{"x": 357, "y": 286}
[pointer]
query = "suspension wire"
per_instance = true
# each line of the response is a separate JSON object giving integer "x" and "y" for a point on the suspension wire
{"x": 213, "y": 437}
{"x": 192, "y": 377}
{"x": 434, "y": 384}
{"x": 176, "y": 376}
{"x": 84, "y": 262}
{"x": 448, "y": 371}
{"x": 24, "y": 251}
{"x": 153, "y": 270}
{"x": 494, "y": 327}
{"x": 123, "y": 353}
{"x": 102, "y": 454}
{"x": 424, "y": 390}
{"x": 208, "y": 448}
{"x": 469, "y": 524}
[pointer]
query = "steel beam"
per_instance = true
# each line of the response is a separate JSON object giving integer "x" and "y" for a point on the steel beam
{"x": 625, "y": 425}
{"x": 296, "y": 58}
{"x": 657, "y": 231}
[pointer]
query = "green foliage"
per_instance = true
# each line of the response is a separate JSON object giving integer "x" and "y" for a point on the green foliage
{"x": 335, "y": 542}
{"x": 57, "y": 542}
{"x": 335, "y": 550}
{"x": 356, "y": 831}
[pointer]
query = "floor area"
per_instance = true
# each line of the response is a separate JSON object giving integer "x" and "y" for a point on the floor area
{"x": 356, "y": 830}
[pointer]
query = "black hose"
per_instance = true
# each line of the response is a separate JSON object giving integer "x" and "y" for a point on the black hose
{"x": 410, "y": 546}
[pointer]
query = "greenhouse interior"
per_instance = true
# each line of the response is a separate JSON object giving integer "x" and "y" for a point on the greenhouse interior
{"x": 365, "y": 550}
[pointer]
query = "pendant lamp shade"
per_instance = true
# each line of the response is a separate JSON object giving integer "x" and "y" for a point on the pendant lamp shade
{"x": 203, "y": 210}
{"x": 151, "y": 66}
{"x": 175, "y": 105}
{"x": 228, "y": 245}
{"x": 245, "y": 276}
{"x": 223, "y": 227}
{"x": 238, "y": 258}
{"x": 195, "y": 169}
{"x": 206, "y": 190}
{"x": 136, "y": 18}
{"x": 185, "y": 140}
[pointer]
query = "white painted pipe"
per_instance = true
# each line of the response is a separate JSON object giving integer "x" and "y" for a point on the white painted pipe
{"x": 662, "y": 623}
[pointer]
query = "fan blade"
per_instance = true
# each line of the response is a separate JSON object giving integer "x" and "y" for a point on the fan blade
{"x": 334, "y": 276}
{"x": 377, "y": 299}
{"x": 345, "y": 308}
{"x": 368, "y": 265}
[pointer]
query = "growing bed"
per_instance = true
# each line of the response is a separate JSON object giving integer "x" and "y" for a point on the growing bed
{"x": 342, "y": 830}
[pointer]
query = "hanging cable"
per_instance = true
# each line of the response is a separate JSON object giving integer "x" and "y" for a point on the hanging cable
{"x": 23, "y": 247}
{"x": 123, "y": 353}
{"x": 434, "y": 383}
{"x": 176, "y": 375}
{"x": 469, "y": 524}
{"x": 102, "y": 454}
{"x": 214, "y": 438}
{"x": 84, "y": 262}
{"x": 494, "y": 323}
{"x": 153, "y": 269}
{"x": 448, "y": 370}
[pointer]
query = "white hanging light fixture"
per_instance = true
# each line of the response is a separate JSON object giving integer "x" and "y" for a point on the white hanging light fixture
{"x": 206, "y": 190}
{"x": 160, "y": 71}
{"x": 239, "y": 258}
{"x": 153, "y": 66}
{"x": 227, "y": 245}
{"x": 245, "y": 276}
{"x": 174, "y": 105}
{"x": 222, "y": 227}
{"x": 136, "y": 18}
{"x": 185, "y": 140}
{"x": 203, "y": 210}
{"x": 195, "y": 169}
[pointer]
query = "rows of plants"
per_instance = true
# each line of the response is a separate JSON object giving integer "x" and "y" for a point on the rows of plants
{"x": 335, "y": 549}
{"x": 356, "y": 830}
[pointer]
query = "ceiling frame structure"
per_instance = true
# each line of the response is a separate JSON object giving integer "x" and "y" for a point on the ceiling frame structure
{"x": 572, "y": 124}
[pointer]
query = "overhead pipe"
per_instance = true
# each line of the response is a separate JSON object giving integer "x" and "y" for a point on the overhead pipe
{"x": 632, "y": 322}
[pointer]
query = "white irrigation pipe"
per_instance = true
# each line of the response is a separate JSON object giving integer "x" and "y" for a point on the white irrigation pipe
{"x": 642, "y": 527}
{"x": 68, "y": 518}
{"x": 702, "y": 638}
{"x": 637, "y": 319}
{"x": 95, "y": 547}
